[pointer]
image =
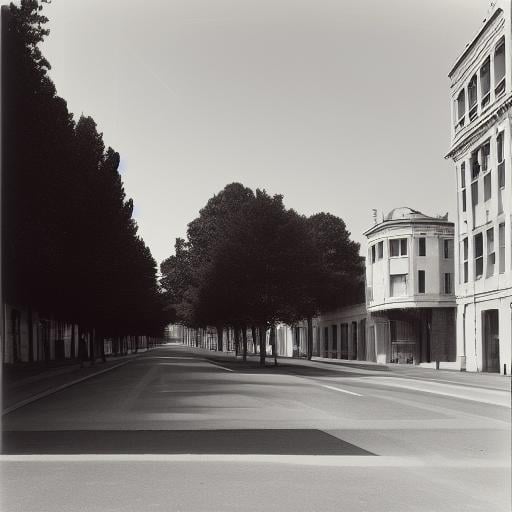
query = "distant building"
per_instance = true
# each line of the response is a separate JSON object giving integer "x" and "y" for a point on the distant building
{"x": 481, "y": 86}
{"x": 410, "y": 294}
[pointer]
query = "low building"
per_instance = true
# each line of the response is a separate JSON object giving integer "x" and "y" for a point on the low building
{"x": 410, "y": 289}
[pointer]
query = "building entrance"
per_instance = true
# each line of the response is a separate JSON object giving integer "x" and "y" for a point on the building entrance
{"x": 491, "y": 341}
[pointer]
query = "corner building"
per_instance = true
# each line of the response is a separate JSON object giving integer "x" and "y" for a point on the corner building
{"x": 481, "y": 95}
{"x": 410, "y": 297}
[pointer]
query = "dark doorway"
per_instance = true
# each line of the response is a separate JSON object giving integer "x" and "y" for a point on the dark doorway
{"x": 491, "y": 341}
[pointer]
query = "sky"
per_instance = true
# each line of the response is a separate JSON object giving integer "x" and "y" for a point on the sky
{"x": 341, "y": 106}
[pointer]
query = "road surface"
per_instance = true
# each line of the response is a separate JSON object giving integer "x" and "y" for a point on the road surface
{"x": 174, "y": 430}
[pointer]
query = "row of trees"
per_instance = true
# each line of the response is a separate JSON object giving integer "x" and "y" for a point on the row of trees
{"x": 249, "y": 262}
{"x": 70, "y": 245}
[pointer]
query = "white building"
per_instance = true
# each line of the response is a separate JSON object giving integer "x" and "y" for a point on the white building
{"x": 410, "y": 294}
{"x": 481, "y": 86}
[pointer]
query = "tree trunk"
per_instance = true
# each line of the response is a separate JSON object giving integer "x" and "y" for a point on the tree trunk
{"x": 254, "y": 340}
{"x": 102, "y": 349}
{"x": 136, "y": 343}
{"x": 263, "y": 344}
{"x": 72, "y": 352}
{"x": 237, "y": 341}
{"x": 220, "y": 333}
{"x": 244, "y": 343}
{"x": 92, "y": 341}
{"x": 310, "y": 338}
{"x": 273, "y": 343}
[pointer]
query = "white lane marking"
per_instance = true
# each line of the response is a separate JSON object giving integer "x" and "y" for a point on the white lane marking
{"x": 219, "y": 366}
{"x": 340, "y": 390}
{"x": 308, "y": 460}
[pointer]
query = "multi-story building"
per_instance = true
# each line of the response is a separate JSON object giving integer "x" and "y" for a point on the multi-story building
{"x": 481, "y": 92}
{"x": 410, "y": 295}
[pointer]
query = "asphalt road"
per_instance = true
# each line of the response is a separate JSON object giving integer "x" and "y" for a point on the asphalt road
{"x": 176, "y": 430}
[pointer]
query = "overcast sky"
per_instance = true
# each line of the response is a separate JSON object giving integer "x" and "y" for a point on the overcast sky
{"x": 340, "y": 106}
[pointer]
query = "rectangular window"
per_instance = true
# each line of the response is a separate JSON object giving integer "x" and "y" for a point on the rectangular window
{"x": 422, "y": 246}
{"x": 472, "y": 98}
{"x": 461, "y": 108}
{"x": 478, "y": 241}
{"x": 487, "y": 186}
{"x": 474, "y": 193}
{"x": 398, "y": 285}
{"x": 475, "y": 165}
{"x": 499, "y": 68}
{"x": 485, "y": 82}
{"x": 380, "y": 250}
{"x": 373, "y": 253}
{"x": 403, "y": 247}
{"x": 326, "y": 340}
{"x": 448, "y": 248}
{"x": 463, "y": 175}
{"x": 501, "y": 160}
{"x": 485, "y": 156}
{"x": 421, "y": 281}
{"x": 465, "y": 252}
{"x": 491, "y": 257}
{"x": 398, "y": 247}
{"x": 501, "y": 242}
{"x": 448, "y": 283}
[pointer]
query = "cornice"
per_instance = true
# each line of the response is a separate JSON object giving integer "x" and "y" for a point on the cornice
{"x": 469, "y": 139}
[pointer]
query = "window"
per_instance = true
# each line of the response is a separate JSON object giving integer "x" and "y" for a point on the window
{"x": 380, "y": 250}
{"x": 448, "y": 248}
{"x": 373, "y": 253}
{"x": 326, "y": 340}
{"x": 465, "y": 259}
{"x": 501, "y": 160}
{"x": 447, "y": 283}
{"x": 474, "y": 193}
{"x": 499, "y": 68}
{"x": 463, "y": 184}
{"x": 485, "y": 156}
{"x": 334, "y": 347}
{"x": 398, "y": 247}
{"x": 398, "y": 285}
{"x": 487, "y": 186}
{"x": 501, "y": 242}
{"x": 422, "y": 246}
{"x": 461, "y": 108}
{"x": 421, "y": 281}
{"x": 475, "y": 165}
{"x": 478, "y": 240}
{"x": 485, "y": 82}
{"x": 491, "y": 257}
{"x": 472, "y": 98}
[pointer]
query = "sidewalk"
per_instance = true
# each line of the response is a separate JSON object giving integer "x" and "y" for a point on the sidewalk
{"x": 24, "y": 384}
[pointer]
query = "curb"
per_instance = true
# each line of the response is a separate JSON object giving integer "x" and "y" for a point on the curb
{"x": 48, "y": 392}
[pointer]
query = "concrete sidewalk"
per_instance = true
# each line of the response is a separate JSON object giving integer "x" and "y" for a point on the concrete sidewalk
{"x": 24, "y": 384}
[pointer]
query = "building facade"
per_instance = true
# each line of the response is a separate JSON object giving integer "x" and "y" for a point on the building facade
{"x": 481, "y": 93}
{"x": 410, "y": 294}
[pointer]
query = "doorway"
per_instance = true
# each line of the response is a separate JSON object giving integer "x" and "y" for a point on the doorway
{"x": 491, "y": 341}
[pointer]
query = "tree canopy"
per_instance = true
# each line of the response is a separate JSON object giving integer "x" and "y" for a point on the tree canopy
{"x": 71, "y": 247}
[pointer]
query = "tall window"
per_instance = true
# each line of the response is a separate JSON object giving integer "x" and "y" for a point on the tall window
{"x": 501, "y": 242}
{"x": 478, "y": 241}
{"x": 373, "y": 253}
{"x": 472, "y": 98}
{"x": 475, "y": 165}
{"x": 485, "y": 82}
{"x": 501, "y": 160}
{"x": 465, "y": 266}
{"x": 421, "y": 281}
{"x": 398, "y": 285}
{"x": 326, "y": 339}
{"x": 380, "y": 250}
{"x": 463, "y": 184}
{"x": 487, "y": 186}
{"x": 448, "y": 248}
{"x": 485, "y": 156}
{"x": 474, "y": 193}
{"x": 447, "y": 283}
{"x": 422, "y": 246}
{"x": 398, "y": 247}
{"x": 499, "y": 68}
{"x": 491, "y": 257}
{"x": 461, "y": 108}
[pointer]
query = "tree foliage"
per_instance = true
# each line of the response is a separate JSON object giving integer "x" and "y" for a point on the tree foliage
{"x": 71, "y": 248}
